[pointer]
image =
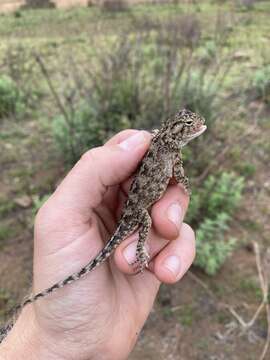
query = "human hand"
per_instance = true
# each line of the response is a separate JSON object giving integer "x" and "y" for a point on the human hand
{"x": 101, "y": 315}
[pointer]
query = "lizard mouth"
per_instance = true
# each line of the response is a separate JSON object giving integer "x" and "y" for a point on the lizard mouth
{"x": 200, "y": 130}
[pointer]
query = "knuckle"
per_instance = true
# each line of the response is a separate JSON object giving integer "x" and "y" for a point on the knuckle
{"x": 43, "y": 212}
{"x": 90, "y": 155}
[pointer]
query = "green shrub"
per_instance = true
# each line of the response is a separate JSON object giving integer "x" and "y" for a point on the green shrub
{"x": 10, "y": 99}
{"x": 135, "y": 82}
{"x": 210, "y": 211}
{"x": 219, "y": 193}
{"x": 222, "y": 194}
{"x": 212, "y": 247}
{"x": 260, "y": 85}
{"x": 17, "y": 14}
{"x": 5, "y": 233}
{"x": 20, "y": 68}
{"x": 246, "y": 168}
{"x": 88, "y": 127}
{"x": 73, "y": 136}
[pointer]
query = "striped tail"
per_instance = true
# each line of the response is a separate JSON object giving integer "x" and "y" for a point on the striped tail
{"x": 5, "y": 330}
{"x": 120, "y": 234}
{"x": 99, "y": 259}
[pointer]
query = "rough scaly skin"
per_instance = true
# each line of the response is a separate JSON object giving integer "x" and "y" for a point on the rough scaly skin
{"x": 162, "y": 162}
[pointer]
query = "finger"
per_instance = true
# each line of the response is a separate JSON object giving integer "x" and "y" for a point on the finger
{"x": 167, "y": 216}
{"x": 168, "y": 213}
{"x": 111, "y": 197}
{"x": 86, "y": 184}
{"x": 145, "y": 285}
{"x": 174, "y": 260}
{"x": 160, "y": 250}
{"x": 121, "y": 136}
{"x": 125, "y": 254}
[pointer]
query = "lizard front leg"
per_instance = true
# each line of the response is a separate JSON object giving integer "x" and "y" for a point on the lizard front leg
{"x": 179, "y": 174}
{"x": 142, "y": 256}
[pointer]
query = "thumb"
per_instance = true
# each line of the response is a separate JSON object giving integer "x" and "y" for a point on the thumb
{"x": 99, "y": 168}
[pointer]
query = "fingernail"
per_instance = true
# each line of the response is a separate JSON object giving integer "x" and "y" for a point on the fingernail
{"x": 130, "y": 252}
{"x": 174, "y": 214}
{"x": 172, "y": 263}
{"x": 133, "y": 141}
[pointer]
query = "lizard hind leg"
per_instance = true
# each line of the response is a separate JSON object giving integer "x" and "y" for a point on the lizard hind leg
{"x": 142, "y": 256}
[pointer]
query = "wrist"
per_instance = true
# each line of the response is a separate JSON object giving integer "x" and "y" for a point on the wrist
{"x": 25, "y": 340}
{"x": 28, "y": 340}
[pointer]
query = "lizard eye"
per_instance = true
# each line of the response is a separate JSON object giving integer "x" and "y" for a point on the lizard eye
{"x": 189, "y": 122}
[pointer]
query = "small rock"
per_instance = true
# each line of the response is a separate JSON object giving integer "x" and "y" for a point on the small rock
{"x": 241, "y": 55}
{"x": 267, "y": 184}
{"x": 23, "y": 201}
{"x": 9, "y": 146}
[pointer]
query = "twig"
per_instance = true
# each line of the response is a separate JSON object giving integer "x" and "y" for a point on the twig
{"x": 266, "y": 345}
{"x": 219, "y": 304}
{"x": 68, "y": 116}
{"x": 51, "y": 86}
{"x": 263, "y": 275}
{"x": 264, "y": 289}
{"x": 176, "y": 308}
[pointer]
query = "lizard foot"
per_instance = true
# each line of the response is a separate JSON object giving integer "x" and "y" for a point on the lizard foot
{"x": 187, "y": 190}
{"x": 142, "y": 260}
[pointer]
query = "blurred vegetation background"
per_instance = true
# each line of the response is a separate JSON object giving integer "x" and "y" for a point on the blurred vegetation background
{"x": 70, "y": 79}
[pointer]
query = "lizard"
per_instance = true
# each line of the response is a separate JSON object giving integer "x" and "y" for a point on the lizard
{"x": 162, "y": 162}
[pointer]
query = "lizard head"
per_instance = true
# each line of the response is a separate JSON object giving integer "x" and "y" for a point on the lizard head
{"x": 186, "y": 126}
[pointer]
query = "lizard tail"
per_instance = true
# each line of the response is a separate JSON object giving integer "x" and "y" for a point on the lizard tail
{"x": 99, "y": 259}
{"x": 109, "y": 248}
